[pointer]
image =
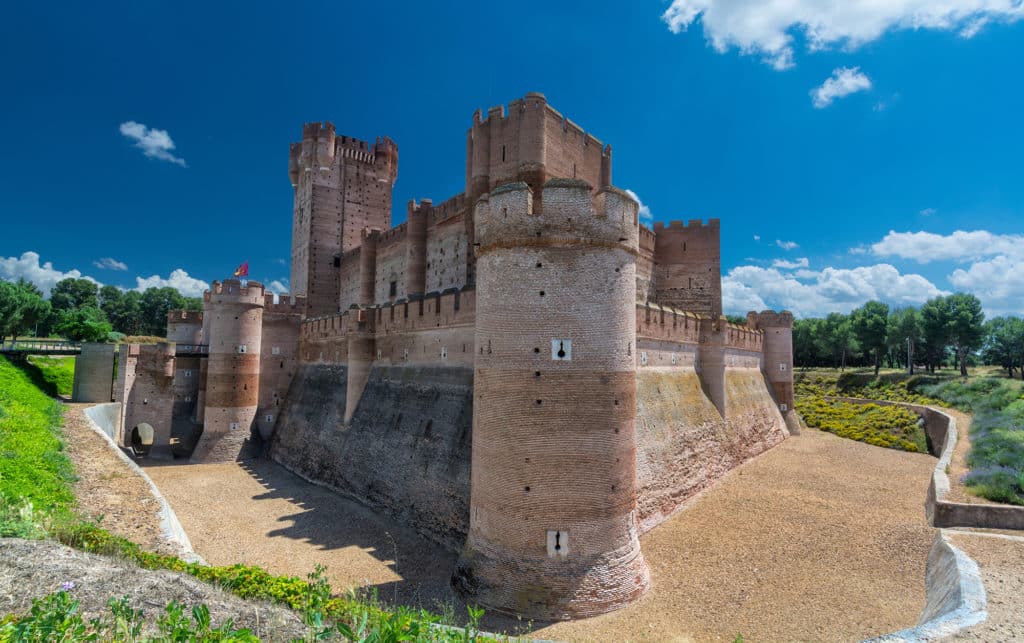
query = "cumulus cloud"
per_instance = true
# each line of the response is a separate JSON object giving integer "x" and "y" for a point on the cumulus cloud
{"x": 109, "y": 263}
{"x": 154, "y": 143}
{"x": 843, "y": 82}
{"x": 787, "y": 245}
{"x": 178, "y": 279}
{"x": 925, "y": 247}
{"x": 44, "y": 276}
{"x": 810, "y": 293}
{"x": 646, "y": 217}
{"x": 927, "y": 212}
{"x": 782, "y": 264}
{"x": 279, "y": 286}
{"x": 766, "y": 27}
{"x": 998, "y": 282}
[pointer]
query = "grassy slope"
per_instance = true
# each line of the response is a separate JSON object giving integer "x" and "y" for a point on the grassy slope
{"x": 35, "y": 475}
{"x": 996, "y": 403}
{"x": 36, "y": 500}
{"x": 58, "y": 373}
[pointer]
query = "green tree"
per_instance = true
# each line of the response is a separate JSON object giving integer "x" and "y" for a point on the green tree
{"x": 86, "y": 324}
{"x": 934, "y": 331}
{"x": 966, "y": 324}
{"x": 74, "y": 293}
{"x": 154, "y": 306}
{"x": 871, "y": 325}
{"x": 10, "y": 308}
{"x": 1004, "y": 343}
{"x": 904, "y": 333}
{"x": 836, "y": 338}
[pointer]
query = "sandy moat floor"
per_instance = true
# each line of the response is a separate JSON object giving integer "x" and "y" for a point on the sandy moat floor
{"x": 819, "y": 539}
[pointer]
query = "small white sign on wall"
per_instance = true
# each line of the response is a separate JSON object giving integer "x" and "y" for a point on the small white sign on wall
{"x": 561, "y": 350}
{"x": 233, "y": 426}
{"x": 558, "y": 543}
{"x": 643, "y": 358}
{"x": 782, "y": 368}
{"x": 241, "y": 348}
{"x": 783, "y": 407}
{"x": 444, "y": 352}
{"x": 673, "y": 359}
{"x": 269, "y": 417}
{"x": 275, "y": 350}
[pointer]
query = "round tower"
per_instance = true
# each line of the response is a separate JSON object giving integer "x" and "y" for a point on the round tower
{"x": 554, "y": 489}
{"x": 233, "y": 315}
{"x": 777, "y": 358}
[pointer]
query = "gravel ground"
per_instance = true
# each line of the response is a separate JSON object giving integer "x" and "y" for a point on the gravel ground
{"x": 821, "y": 538}
{"x": 1001, "y": 560}
{"x": 31, "y": 569}
{"x": 257, "y": 512}
{"x": 108, "y": 488}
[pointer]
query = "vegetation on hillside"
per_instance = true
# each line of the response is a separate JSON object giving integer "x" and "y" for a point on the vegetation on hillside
{"x": 37, "y": 501}
{"x": 883, "y": 426}
{"x": 996, "y": 457}
{"x": 56, "y": 373}
{"x": 944, "y": 330}
{"x": 80, "y": 310}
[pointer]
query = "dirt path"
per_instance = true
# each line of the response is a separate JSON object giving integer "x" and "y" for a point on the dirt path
{"x": 108, "y": 488}
{"x": 819, "y": 539}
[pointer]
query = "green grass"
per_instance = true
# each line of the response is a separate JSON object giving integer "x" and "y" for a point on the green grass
{"x": 996, "y": 458}
{"x": 58, "y": 373}
{"x": 35, "y": 474}
{"x": 37, "y": 501}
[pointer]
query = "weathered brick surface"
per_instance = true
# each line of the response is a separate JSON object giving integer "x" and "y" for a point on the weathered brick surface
{"x": 554, "y": 444}
{"x": 405, "y": 452}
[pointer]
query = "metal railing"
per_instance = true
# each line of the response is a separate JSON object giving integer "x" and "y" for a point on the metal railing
{"x": 41, "y": 347}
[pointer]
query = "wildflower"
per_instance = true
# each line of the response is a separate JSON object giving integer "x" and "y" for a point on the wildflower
{"x": 67, "y": 586}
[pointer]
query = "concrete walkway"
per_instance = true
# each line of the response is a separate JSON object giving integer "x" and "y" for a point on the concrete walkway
{"x": 821, "y": 538}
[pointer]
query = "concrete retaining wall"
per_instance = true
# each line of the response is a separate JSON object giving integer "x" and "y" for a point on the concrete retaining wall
{"x": 103, "y": 419}
{"x": 942, "y": 435}
{"x": 955, "y": 595}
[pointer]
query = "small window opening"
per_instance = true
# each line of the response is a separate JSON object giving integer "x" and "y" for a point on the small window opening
{"x": 502, "y": 153}
{"x": 392, "y": 289}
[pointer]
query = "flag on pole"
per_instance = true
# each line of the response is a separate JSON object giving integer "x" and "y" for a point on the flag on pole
{"x": 243, "y": 270}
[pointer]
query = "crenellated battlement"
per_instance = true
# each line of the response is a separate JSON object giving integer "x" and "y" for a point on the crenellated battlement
{"x": 654, "y": 321}
{"x": 433, "y": 311}
{"x": 232, "y": 291}
{"x": 571, "y": 215}
{"x": 185, "y": 317}
{"x": 692, "y": 224}
{"x": 770, "y": 319}
{"x": 285, "y": 304}
{"x": 393, "y": 235}
{"x": 743, "y": 337}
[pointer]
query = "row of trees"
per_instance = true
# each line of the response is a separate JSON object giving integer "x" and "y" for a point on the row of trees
{"x": 944, "y": 329}
{"x": 79, "y": 309}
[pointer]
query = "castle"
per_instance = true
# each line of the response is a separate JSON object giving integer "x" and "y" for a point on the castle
{"x": 523, "y": 373}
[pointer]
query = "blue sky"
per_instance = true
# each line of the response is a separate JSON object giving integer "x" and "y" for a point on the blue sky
{"x": 865, "y": 152}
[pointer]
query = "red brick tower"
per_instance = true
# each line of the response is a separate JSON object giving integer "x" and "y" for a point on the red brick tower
{"x": 342, "y": 185}
{"x": 553, "y": 493}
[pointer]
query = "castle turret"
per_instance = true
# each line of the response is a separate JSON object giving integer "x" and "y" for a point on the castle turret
{"x": 553, "y": 495}
{"x": 368, "y": 266}
{"x": 233, "y": 314}
{"x": 777, "y": 360}
{"x": 416, "y": 248}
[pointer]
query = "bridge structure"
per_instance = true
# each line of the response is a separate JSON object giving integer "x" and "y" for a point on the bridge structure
{"x": 23, "y": 347}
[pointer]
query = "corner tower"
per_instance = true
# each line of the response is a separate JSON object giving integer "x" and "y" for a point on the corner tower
{"x": 553, "y": 492}
{"x": 342, "y": 185}
{"x": 233, "y": 317}
{"x": 777, "y": 358}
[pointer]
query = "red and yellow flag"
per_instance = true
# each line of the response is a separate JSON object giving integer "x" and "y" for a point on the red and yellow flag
{"x": 243, "y": 270}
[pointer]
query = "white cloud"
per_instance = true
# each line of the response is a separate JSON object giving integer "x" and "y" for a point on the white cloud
{"x": 802, "y": 262}
{"x": 998, "y": 283}
{"x": 766, "y": 27}
{"x": 757, "y": 237}
{"x": 843, "y": 82}
{"x": 646, "y": 217}
{"x": 927, "y": 212}
{"x": 787, "y": 245}
{"x": 925, "y": 247}
{"x": 154, "y": 143}
{"x": 178, "y": 279}
{"x": 279, "y": 287}
{"x": 811, "y": 293}
{"x": 44, "y": 276}
{"x": 109, "y": 263}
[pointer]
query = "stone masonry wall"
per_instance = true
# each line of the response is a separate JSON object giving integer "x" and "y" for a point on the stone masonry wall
{"x": 406, "y": 451}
